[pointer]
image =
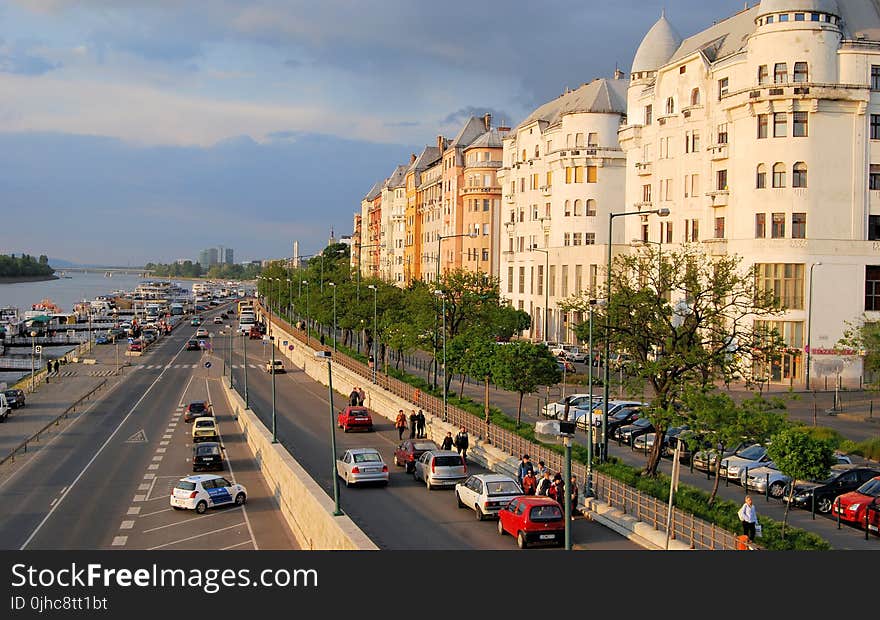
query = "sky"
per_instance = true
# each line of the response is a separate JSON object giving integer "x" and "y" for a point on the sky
{"x": 147, "y": 130}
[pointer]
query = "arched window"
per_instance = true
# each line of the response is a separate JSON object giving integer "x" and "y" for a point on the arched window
{"x": 695, "y": 96}
{"x": 799, "y": 175}
{"x": 761, "y": 177}
{"x": 567, "y": 207}
{"x": 578, "y": 207}
{"x": 670, "y": 106}
{"x": 778, "y": 175}
{"x": 591, "y": 207}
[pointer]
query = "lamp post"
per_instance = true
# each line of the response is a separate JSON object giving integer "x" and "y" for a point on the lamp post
{"x": 810, "y": 324}
{"x": 588, "y": 484}
{"x": 247, "y": 401}
{"x": 442, "y": 296}
{"x": 333, "y": 286}
{"x": 333, "y": 474}
{"x": 545, "y": 283}
{"x": 90, "y": 331}
{"x": 375, "y": 334}
{"x": 306, "y": 282}
{"x": 33, "y": 359}
{"x": 274, "y": 426}
{"x": 289, "y": 301}
{"x": 606, "y": 376}
{"x": 231, "y": 344}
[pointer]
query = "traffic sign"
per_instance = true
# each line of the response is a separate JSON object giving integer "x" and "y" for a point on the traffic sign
{"x": 207, "y": 364}
{"x": 38, "y": 349}
{"x": 290, "y": 347}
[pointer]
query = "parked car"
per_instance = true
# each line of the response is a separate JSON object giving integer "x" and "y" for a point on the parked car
{"x": 736, "y": 465}
{"x": 760, "y": 477}
{"x": 362, "y": 465}
{"x": 671, "y": 439}
{"x": 275, "y": 367}
{"x": 207, "y": 455}
{"x": 439, "y": 468}
{"x": 622, "y": 417}
{"x": 197, "y": 409}
{"x": 575, "y": 401}
{"x": 254, "y": 333}
{"x": 613, "y": 407}
{"x": 14, "y": 398}
{"x": 533, "y": 519}
{"x": 645, "y": 441}
{"x": 206, "y": 490}
{"x": 102, "y": 339}
{"x": 487, "y": 494}
{"x": 409, "y": 450}
{"x": 354, "y": 418}
{"x": 843, "y": 479}
{"x": 566, "y": 366}
{"x": 218, "y": 320}
{"x": 705, "y": 459}
{"x": 205, "y": 429}
{"x": 628, "y": 433}
{"x": 852, "y": 506}
{"x": 192, "y": 345}
{"x": 4, "y": 407}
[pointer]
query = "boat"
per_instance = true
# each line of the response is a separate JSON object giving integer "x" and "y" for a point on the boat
{"x": 108, "y": 274}
{"x": 46, "y": 305}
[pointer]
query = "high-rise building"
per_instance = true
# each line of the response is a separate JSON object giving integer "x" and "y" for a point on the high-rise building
{"x": 228, "y": 257}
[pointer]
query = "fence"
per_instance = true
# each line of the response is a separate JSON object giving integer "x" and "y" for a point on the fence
{"x": 685, "y": 527}
{"x": 22, "y": 447}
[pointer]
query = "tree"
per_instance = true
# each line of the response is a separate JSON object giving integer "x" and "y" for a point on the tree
{"x": 691, "y": 321}
{"x": 521, "y": 367}
{"x": 800, "y": 456}
{"x": 863, "y": 337}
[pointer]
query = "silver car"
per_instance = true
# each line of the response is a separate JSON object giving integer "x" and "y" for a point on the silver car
{"x": 486, "y": 493}
{"x": 362, "y": 465}
{"x": 440, "y": 468}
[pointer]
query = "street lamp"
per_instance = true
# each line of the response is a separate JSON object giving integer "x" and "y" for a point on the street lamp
{"x": 274, "y": 427}
{"x": 442, "y": 296}
{"x": 289, "y": 301}
{"x": 375, "y": 334}
{"x": 333, "y": 474}
{"x": 588, "y": 484}
{"x": 247, "y": 402}
{"x": 663, "y": 212}
{"x": 333, "y": 286}
{"x": 33, "y": 358}
{"x": 231, "y": 344}
{"x": 545, "y": 283}
{"x": 306, "y": 282}
{"x": 809, "y": 324}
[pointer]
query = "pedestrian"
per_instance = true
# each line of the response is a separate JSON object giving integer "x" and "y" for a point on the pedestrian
{"x": 354, "y": 397}
{"x": 525, "y": 466}
{"x": 420, "y": 418}
{"x": 544, "y": 484}
{"x": 574, "y": 497}
{"x": 322, "y": 339}
{"x": 461, "y": 442}
{"x": 371, "y": 363}
{"x": 400, "y": 423}
{"x": 529, "y": 482}
{"x": 748, "y": 517}
{"x": 413, "y": 424}
{"x": 542, "y": 469}
{"x": 362, "y": 396}
{"x": 447, "y": 441}
{"x": 557, "y": 490}
{"x": 57, "y": 366}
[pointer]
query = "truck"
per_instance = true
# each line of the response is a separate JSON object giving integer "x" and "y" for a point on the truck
{"x": 176, "y": 309}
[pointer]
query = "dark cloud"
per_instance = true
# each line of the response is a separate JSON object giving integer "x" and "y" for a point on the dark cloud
{"x": 23, "y": 63}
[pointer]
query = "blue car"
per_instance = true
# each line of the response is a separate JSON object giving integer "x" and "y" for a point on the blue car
{"x": 102, "y": 340}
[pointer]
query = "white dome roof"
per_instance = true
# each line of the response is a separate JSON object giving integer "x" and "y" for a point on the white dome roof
{"x": 657, "y": 47}
{"x": 782, "y": 6}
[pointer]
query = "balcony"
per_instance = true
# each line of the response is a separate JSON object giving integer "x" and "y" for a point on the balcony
{"x": 546, "y": 221}
{"x": 644, "y": 168}
{"x": 720, "y": 198}
{"x": 484, "y": 164}
{"x": 645, "y": 204}
{"x": 494, "y": 189}
{"x": 546, "y": 190}
{"x": 716, "y": 247}
{"x": 718, "y": 151}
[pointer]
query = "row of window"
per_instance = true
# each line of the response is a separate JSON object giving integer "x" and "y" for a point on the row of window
{"x": 798, "y": 175}
{"x": 780, "y": 73}
{"x": 536, "y": 285}
{"x": 777, "y": 225}
{"x": 573, "y": 174}
{"x": 799, "y": 125}
{"x": 799, "y": 17}
{"x": 571, "y": 141}
{"x": 578, "y": 239}
{"x": 576, "y": 208}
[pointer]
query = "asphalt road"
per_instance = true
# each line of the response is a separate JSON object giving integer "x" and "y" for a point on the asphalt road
{"x": 104, "y": 482}
{"x": 403, "y": 515}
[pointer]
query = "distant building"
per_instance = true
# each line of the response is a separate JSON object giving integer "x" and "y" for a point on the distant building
{"x": 228, "y": 257}
{"x": 208, "y": 257}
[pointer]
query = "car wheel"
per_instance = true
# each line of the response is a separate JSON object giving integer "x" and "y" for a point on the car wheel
{"x": 240, "y": 499}
{"x": 824, "y": 505}
{"x": 480, "y": 515}
{"x": 201, "y": 507}
{"x": 458, "y": 500}
{"x": 777, "y": 489}
{"x": 521, "y": 541}
{"x": 500, "y": 528}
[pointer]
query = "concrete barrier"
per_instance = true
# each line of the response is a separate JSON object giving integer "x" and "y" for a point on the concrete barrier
{"x": 306, "y": 508}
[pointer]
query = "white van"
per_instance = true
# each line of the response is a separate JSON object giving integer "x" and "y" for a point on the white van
{"x": 246, "y": 320}
{"x": 4, "y": 407}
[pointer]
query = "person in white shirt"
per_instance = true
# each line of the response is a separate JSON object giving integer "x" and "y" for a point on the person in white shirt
{"x": 748, "y": 517}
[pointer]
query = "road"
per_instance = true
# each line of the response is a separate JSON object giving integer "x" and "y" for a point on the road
{"x": 104, "y": 481}
{"x": 403, "y": 515}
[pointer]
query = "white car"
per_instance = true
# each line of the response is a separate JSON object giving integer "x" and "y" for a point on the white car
{"x": 613, "y": 407}
{"x": 486, "y": 493}
{"x": 362, "y": 465}
{"x": 759, "y": 478}
{"x": 201, "y": 333}
{"x": 206, "y": 491}
{"x": 736, "y": 465}
{"x": 576, "y": 401}
{"x": 277, "y": 367}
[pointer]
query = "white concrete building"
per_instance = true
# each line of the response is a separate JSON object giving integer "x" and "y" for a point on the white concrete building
{"x": 393, "y": 226}
{"x": 563, "y": 173}
{"x": 761, "y": 134}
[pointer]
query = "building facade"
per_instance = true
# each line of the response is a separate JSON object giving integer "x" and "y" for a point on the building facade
{"x": 761, "y": 135}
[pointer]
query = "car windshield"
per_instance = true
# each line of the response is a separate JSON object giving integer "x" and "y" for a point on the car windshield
{"x": 185, "y": 485}
{"x": 502, "y": 487}
{"x": 197, "y": 407}
{"x": 752, "y": 453}
{"x": 871, "y": 487}
{"x": 204, "y": 423}
{"x": 545, "y": 513}
{"x": 424, "y": 446}
{"x": 367, "y": 457}
{"x": 357, "y": 413}
{"x": 204, "y": 450}
{"x": 642, "y": 422}
{"x": 621, "y": 415}
{"x": 447, "y": 461}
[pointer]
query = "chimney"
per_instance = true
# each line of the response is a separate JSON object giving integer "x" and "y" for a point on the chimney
{"x": 441, "y": 143}
{"x": 412, "y": 159}
{"x": 503, "y": 128}
{"x": 487, "y": 121}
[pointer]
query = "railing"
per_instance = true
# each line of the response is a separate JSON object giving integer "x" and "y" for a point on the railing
{"x": 22, "y": 447}
{"x": 685, "y": 527}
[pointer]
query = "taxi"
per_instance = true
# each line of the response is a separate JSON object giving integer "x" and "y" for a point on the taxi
{"x": 206, "y": 491}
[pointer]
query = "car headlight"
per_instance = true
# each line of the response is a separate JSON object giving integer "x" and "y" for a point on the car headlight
{"x": 853, "y": 507}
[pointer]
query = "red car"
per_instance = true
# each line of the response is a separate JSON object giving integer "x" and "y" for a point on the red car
{"x": 355, "y": 418}
{"x": 852, "y": 506}
{"x": 533, "y": 519}
{"x": 409, "y": 450}
{"x": 137, "y": 345}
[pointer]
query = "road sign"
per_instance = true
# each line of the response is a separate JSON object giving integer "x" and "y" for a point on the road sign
{"x": 71, "y": 332}
{"x": 207, "y": 364}
{"x": 38, "y": 349}
{"x": 290, "y": 347}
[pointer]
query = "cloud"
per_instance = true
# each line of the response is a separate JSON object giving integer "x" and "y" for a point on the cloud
{"x": 402, "y": 124}
{"x": 461, "y": 116}
{"x": 18, "y": 61}
{"x": 293, "y": 63}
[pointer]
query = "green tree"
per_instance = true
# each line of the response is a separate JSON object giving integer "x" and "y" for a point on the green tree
{"x": 478, "y": 361}
{"x": 686, "y": 320}
{"x": 521, "y": 367}
{"x": 800, "y": 456}
{"x": 863, "y": 337}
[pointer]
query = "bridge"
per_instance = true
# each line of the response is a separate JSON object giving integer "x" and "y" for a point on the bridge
{"x": 128, "y": 271}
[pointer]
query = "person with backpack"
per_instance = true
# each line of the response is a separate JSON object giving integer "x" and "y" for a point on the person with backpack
{"x": 400, "y": 423}
{"x": 413, "y": 424}
{"x": 461, "y": 442}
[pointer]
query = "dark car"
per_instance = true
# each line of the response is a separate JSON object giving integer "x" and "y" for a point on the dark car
{"x": 626, "y": 434}
{"x": 197, "y": 409}
{"x": 207, "y": 455}
{"x": 622, "y": 417}
{"x": 192, "y": 345}
{"x": 409, "y": 450}
{"x": 843, "y": 479}
{"x": 14, "y": 397}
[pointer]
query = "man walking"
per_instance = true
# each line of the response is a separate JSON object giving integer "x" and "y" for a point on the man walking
{"x": 413, "y": 424}
{"x": 353, "y": 397}
{"x": 420, "y": 418}
{"x": 525, "y": 466}
{"x": 400, "y": 423}
{"x": 461, "y": 442}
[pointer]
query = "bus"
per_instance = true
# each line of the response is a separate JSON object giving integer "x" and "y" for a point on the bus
{"x": 245, "y": 304}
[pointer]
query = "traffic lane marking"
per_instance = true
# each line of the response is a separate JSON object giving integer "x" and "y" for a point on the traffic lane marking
{"x": 182, "y": 540}
{"x": 218, "y": 512}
